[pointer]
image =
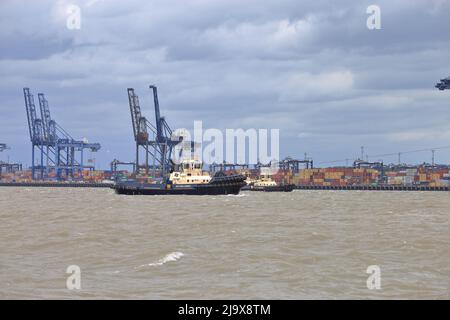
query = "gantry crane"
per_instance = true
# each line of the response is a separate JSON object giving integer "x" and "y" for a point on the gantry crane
{"x": 224, "y": 166}
{"x": 289, "y": 163}
{"x": 163, "y": 140}
{"x": 377, "y": 165}
{"x": 156, "y": 141}
{"x": 8, "y": 167}
{"x": 53, "y": 143}
{"x": 116, "y": 163}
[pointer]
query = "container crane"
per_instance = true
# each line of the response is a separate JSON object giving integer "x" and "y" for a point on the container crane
{"x": 155, "y": 141}
{"x": 163, "y": 136}
{"x": 293, "y": 164}
{"x": 7, "y": 166}
{"x": 141, "y": 130}
{"x": 36, "y": 133}
{"x": 53, "y": 143}
{"x": 115, "y": 167}
{"x": 224, "y": 166}
{"x": 377, "y": 165}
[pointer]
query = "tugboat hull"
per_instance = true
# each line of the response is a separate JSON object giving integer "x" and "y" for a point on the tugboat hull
{"x": 224, "y": 185}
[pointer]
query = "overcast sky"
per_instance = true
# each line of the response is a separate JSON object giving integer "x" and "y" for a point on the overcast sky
{"x": 310, "y": 68}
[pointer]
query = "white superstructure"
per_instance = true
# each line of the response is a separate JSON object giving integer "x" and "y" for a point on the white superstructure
{"x": 191, "y": 173}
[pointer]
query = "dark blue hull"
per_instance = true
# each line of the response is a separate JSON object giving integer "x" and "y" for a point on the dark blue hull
{"x": 222, "y": 185}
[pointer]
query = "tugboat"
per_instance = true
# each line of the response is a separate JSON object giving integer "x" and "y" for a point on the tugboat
{"x": 190, "y": 180}
{"x": 265, "y": 183}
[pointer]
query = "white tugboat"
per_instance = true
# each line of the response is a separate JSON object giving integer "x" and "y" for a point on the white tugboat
{"x": 266, "y": 183}
{"x": 190, "y": 179}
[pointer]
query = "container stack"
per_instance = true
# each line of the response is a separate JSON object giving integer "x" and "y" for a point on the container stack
{"x": 337, "y": 176}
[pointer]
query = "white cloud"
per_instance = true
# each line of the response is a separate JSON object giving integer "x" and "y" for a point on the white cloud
{"x": 301, "y": 86}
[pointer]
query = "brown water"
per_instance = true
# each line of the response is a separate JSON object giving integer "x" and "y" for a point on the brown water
{"x": 299, "y": 245}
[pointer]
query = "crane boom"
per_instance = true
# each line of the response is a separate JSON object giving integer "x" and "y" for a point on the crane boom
{"x": 158, "y": 119}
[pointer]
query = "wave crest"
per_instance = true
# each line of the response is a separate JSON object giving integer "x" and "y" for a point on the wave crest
{"x": 173, "y": 256}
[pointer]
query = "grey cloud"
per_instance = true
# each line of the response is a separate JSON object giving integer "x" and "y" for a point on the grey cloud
{"x": 311, "y": 68}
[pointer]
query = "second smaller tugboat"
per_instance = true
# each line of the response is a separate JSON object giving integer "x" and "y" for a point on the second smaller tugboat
{"x": 265, "y": 183}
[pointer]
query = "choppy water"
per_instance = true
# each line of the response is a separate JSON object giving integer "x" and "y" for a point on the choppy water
{"x": 299, "y": 245}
